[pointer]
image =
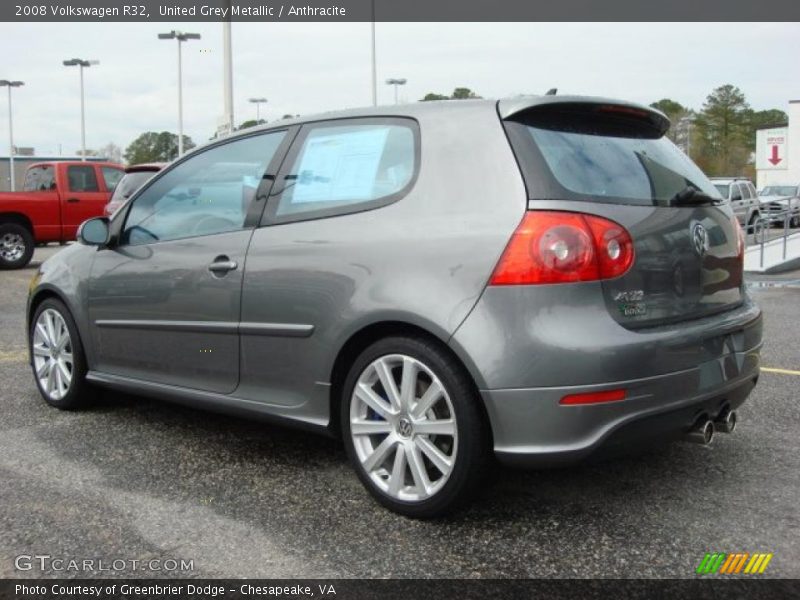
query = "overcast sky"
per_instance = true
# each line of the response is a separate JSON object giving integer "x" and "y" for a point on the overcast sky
{"x": 307, "y": 68}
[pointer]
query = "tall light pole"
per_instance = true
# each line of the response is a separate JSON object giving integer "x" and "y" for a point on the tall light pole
{"x": 181, "y": 37}
{"x": 395, "y": 83}
{"x": 374, "y": 63}
{"x": 79, "y": 62}
{"x": 227, "y": 69}
{"x": 10, "y": 84}
{"x": 258, "y": 102}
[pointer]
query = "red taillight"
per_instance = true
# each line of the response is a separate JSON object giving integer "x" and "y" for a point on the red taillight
{"x": 562, "y": 247}
{"x": 594, "y": 397}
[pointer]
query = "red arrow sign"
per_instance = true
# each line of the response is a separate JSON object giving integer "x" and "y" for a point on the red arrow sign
{"x": 774, "y": 158}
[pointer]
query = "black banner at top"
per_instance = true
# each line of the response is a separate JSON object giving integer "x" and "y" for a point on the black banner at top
{"x": 398, "y": 10}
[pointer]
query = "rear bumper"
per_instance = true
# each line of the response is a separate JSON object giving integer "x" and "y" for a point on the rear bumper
{"x": 531, "y": 428}
{"x": 529, "y": 346}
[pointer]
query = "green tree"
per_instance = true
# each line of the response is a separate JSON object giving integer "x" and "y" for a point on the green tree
{"x": 251, "y": 123}
{"x": 463, "y": 93}
{"x": 460, "y": 93}
{"x": 154, "y": 146}
{"x": 680, "y": 119}
{"x": 430, "y": 96}
{"x": 725, "y": 132}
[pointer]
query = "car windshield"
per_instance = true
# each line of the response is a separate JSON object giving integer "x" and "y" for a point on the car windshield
{"x": 130, "y": 183}
{"x": 723, "y": 189}
{"x": 779, "y": 190}
{"x": 621, "y": 168}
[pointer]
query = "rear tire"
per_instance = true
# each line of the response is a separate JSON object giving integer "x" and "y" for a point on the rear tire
{"x": 423, "y": 448}
{"x": 16, "y": 246}
{"x": 58, "y": 361}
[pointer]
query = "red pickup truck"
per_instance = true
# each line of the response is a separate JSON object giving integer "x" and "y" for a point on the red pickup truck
{"x": 56, "y": 198}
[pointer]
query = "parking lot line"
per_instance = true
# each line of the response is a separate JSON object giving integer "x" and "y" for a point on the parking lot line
{"x": 780, "y": 371}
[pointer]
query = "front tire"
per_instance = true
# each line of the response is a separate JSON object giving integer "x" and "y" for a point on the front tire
{"x": 59, "y": 363}
{"x": 16, "y": 246}
{"x": 413, "y": 428}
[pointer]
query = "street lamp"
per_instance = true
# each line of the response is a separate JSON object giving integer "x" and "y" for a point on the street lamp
{"x": 395, "y": 83}
{"x": 181, "y": 37}
{"x": 78, "y": 62}
{"x": 9, "y": 85}
{"x": 258, "y": 102}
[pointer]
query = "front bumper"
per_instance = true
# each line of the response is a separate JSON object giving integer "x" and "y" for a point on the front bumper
{"x": 531, "y": 428}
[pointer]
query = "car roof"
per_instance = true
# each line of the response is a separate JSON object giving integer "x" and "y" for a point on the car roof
{"x": 505, "y": 108}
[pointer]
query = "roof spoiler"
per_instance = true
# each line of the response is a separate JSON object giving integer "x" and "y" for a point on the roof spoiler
{"x": 511, "y": 107}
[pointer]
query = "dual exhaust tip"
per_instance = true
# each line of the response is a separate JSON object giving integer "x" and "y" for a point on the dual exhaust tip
{"x": 702, "y": 432}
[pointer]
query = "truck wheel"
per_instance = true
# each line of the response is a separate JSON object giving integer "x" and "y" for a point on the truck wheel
{"x": 16, "y": 246}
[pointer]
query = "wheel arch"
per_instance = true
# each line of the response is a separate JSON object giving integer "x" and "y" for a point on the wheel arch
{"x": 17, "y": 218}
{"x": 371, "y": 333}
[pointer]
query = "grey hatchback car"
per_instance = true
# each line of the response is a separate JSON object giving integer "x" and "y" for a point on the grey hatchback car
{"x": 539, "y": 279}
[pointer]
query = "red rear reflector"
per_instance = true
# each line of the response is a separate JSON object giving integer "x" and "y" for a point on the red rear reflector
{"x": 594, "y": 397}
{"x": 563, "y": 247}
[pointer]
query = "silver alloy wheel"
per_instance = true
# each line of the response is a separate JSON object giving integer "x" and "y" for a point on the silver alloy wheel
{"x": 12, "y": 247}
{"x": 52, "y": 354}
{"x": 403, "y": 427}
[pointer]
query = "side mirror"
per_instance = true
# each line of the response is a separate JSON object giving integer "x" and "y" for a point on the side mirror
{"x": 94, "y": 232}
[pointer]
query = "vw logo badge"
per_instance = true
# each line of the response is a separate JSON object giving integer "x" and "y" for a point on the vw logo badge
{"x": 700, "y": 239}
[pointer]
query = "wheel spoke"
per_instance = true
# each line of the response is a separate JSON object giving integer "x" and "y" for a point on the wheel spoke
{"x": 51, "y": 333}
{"x": 52, "y": 383}
{"x": 408, "y": 383}
{"x": 417, "y": 467}
{"x": 429, "y": 398}
{"x": 360, "y": 427}
{"x": 368, "y": 396}
{"x": 65, "y": 375}
{"x": 397, "y": 479}
{"x": 379, "y": 453}
{"x": 41, "y": 351}
{"x": 44, "y": 369}
{"x": 388, "y": 383}
{"x": 66, "y": 357}
{"x": 43, "y": 333}
{"x": 436, "y": 427}
{"x": 436, "y": 456}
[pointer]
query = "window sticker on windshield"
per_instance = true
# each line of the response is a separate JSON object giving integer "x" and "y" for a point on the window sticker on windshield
{"x": 339, "y": 166}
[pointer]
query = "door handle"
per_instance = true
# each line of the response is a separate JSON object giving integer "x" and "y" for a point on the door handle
{"x": 222, "y": 266}
{"x": 73, "y": 200}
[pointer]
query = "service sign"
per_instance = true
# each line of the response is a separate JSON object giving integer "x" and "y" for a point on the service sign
{"x": 771, "y": 148}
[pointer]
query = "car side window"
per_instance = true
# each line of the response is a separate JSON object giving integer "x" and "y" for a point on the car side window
{"x": 745, "y": 191}
{"x": 40, "y": 179}
{"x": 347, "y": 166}
{"x": 208, "y": 193}
{"x": 82, "y": 178}
{"x": 736, "y": 193}
{"x": 112, "y": 177}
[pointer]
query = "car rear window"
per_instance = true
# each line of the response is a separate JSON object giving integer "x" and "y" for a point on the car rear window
{"x": 586, "y": 154}
{"x": 130, "y": 183}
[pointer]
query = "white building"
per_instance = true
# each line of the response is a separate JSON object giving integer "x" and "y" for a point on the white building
{"x": 778, "y": 151}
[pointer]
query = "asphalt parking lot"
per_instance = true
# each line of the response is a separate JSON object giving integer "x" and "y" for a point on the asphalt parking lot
{"x": 137, "y": 479}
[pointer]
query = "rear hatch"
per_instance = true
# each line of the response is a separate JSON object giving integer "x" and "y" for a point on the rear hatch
{"x": 613, "y": 160}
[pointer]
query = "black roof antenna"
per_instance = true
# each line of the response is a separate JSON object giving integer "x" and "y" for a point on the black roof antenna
{"x": 552, "y": 92}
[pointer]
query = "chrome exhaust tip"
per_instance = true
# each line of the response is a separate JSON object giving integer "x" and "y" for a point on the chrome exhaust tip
{"x": 726, "y": 421}
{"x": 701, "y": 433}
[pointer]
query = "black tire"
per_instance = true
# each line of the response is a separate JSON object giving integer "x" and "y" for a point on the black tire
{"x": 10, "y": 230}
{"x": 474, "y": 451}
{"x": 80, "y": 392}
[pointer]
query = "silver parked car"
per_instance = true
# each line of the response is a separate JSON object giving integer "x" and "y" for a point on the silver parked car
{"x": 741, "y": 194}
{"x": 780, "y": 203}
{"x": 538, "y": 279}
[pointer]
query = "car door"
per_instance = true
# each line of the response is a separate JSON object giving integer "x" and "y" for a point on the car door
{"x": 738, "y": 203}
{"x": 164, "y": 298}
{"x": 304, "y": 264}
{"x": 83, "y": 199}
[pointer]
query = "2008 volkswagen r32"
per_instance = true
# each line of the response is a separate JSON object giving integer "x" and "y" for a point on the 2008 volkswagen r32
{"x": 536, "y": 280}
